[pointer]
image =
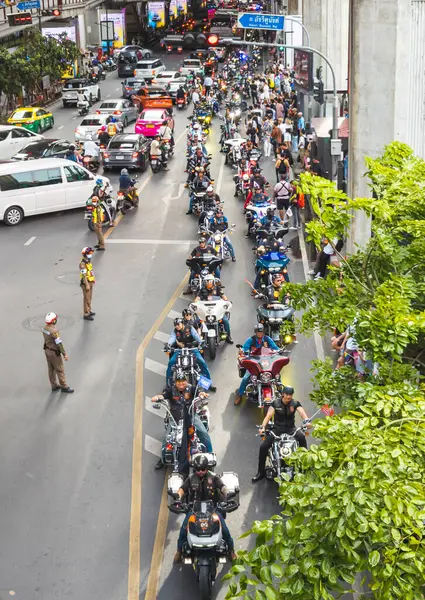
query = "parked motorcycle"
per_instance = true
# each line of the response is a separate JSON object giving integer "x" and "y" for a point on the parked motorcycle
{"x": 109, "y": 212}
{"x": 202, "y": 266}
{"x": 211, "y": 313}
{"x": 205, "y": 547}
{"x": 264, "y": 366}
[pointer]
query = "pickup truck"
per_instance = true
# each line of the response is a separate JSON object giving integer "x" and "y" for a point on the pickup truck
{"x": 73, "y": 86}
{"x": 153, "y": 97}
{"x": 191, "y": 64}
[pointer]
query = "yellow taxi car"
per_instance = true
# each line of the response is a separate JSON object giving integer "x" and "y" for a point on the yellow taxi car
{"x": 34, "y": 118}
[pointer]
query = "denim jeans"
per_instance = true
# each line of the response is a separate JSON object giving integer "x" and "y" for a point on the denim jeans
{"x": 202, "y": 433}
{"x": 200, "y": 360}
{"x": 294, "y": 143}
{"x": 230, "y": 246}
{"x": 226, "y": 533}
{"x": 296, "y": 214}
{"x": 244, "y": 383}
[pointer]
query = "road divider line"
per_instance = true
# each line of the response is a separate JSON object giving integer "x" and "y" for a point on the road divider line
{"x": 30, "y": 241}
{"x": 220, "y": 176}
{"x": 158, "y": 547}
{"x": 320, "y": 353}
{"x": 133, "y": 590}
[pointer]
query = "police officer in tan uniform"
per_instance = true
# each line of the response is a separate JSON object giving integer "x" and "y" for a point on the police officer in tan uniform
{"x": 87, "y": 281}
{"x": 97, "y": 223}
{"x": 55, "y": 354}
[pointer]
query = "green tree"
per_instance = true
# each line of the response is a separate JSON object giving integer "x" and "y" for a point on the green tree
{"x": 357, "y": 504}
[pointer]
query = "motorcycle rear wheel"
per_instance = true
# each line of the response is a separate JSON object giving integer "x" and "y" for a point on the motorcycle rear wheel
{"x": 126, "y": 206}
{"x": 212, "y": 348}
{"x": 205, "y": 582}
{"x": 90, "y": 224}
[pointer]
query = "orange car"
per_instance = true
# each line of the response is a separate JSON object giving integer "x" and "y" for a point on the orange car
{"x": 153, "y": 97}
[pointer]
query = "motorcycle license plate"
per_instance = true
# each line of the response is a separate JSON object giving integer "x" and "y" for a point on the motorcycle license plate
{"x": 211, "y": 333}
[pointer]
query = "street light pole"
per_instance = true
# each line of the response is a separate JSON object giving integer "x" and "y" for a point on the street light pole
{"x": 335, "y": 143}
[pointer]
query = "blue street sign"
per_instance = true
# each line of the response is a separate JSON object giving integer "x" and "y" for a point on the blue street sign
{"x": 260, "y": 21}
{"x": 28, "y": 5}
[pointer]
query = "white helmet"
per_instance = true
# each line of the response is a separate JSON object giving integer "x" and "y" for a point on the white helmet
{"x": 51, "y": 318}
{"x": 196, "y": 126}
{"x": 209, "y": 278}
{"x": 210, "y": 188}
{"x": 245, "y": 177}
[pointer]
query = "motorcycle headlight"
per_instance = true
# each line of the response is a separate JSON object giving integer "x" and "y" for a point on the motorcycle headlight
{"x": 272, "y": 320}
{"x": 285, "y": 451}
{"x": 266, "y": 377}
{"x": 238, "y": 112}
{"x": 288, "y": 338}
{"x": 226, "y": 306}
{"x": 217, "y": 238}
{"x": 210, "y": 318}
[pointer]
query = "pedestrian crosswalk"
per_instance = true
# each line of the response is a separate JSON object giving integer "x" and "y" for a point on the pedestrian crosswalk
{"x": 155, "y": 367}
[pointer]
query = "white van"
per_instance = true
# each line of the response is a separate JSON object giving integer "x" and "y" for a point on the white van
{"x": 149, "y": 68}
{"x": 41, "y": 186}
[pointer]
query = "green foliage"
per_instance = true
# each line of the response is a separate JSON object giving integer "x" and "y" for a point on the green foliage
{"x": 357, "y": 504}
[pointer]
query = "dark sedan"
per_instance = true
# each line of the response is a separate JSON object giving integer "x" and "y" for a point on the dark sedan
{"x": 129, "y": 150}
{"x": 131, "y": 86}
{"x": 46, "y": 148}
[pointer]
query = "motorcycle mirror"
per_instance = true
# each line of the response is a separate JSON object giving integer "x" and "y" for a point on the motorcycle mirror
{"x": 233, "y": 224}
{"x": 238, "y": 345}
{"x": 156, "y": 405}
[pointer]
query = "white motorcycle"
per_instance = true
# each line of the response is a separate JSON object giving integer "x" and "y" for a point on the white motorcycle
{"x": 211, "y": 312}
{"x": 259, "y": 210}
{"x": 234, "y": 150}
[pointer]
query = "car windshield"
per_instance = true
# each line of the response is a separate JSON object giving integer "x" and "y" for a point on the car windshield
{"x": 22, "y": 114}
{"x": 135, "y": 82}
{"x": 74, "y": 85}
{"x": 123, "y": 145}
{"x": 165, "y": 75}
{"x": 191, "y": 63}
{"x": 91, "y": 122}
{"x": 4, "y": 134}
{"x": 151, "y": 115}
{"x": 33, "y": 149}
{"x": 109, "y": 105}
{"x": 127, "y": 58}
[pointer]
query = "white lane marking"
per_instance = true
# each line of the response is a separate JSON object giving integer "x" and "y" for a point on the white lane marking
{"x": 30, "y": 241}
{"x": 173, "y": 314}
{"x": 162, "y": 337}
{"x": 159, "y": 412}
{"x": 317, "y": 339}
{"x": 159, "y": 242}
{"x": 61, "y": 127}
{"x": 153, "y": 446}
{"x": 156, "y": 367}
{"x": 220, "y": 175}
{"x": 116, "y": 89}
{"x": 180, "y": 192}
{"x": 108, "y": 96}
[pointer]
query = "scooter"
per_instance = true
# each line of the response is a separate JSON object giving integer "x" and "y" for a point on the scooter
{"x": 156, "y": 162}
{"x": 84, "y": 108}
{"x": 127, "y": 199}
{"x": 91, "y": 163}
{"x": 211, "y": 313}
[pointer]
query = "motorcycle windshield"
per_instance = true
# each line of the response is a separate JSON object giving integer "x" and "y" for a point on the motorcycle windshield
{"x": 203, "y": 508}
{"x": 277, "y": 312}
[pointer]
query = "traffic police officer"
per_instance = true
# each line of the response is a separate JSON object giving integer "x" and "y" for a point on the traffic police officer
{"x": 87, "y": 281}
{"x": 55, "y": 354}
{"x": 97, "y": 222}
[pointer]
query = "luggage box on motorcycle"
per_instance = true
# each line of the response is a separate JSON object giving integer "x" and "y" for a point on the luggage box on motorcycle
{"x": 231, "y": 481}
{"x": 212, "y": 460}
{"x": 175, "y": 481}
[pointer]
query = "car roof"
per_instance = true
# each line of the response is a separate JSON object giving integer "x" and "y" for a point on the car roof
{"x": 112, "y": 100}
{"x": 167, "y": 74}
{"x": 192, "y": 60}
{"x": 95, "y": 116}
{"x": 154, "y": 112}
{"x": 40, "y": 143}
{"x": 147, "y": 60}
{"x": 9, "y": 167}
{"x": 133, "y": 79}
{"x": 9, "y": 127}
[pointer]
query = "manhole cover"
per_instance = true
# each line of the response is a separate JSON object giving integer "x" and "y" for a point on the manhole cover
{"x": 69, "y": 277}
{"x": 36, "y": 323}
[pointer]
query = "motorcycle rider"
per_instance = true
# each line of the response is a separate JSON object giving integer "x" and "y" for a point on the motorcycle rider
{"x": 104, "y": 137}
{"x": 82, "y": 100}
{"x": 220, "y": 223}
{"x": 192, "y": 319}
{"x": 157, "y": 151}
{"x": 127, "y": 186}
{"x": 200, "y": 250}
{"x": 282, "y": 411}
{"x": 270, "y": 218}
{"x": 211, "y": 287}
{"x": 259, "y": 340}
{"x": 71, "y": 154}
{"x": 200, "y": 183}
{"x": 197, "y": 161}
{"x": 180, "y": 92}
{"x": 183, "y": 336}
{"x": 203, "y": 485}
{"x": 112, "y": 126}
{"x": 90, "y": 148}
{"x": 181, "y": 393}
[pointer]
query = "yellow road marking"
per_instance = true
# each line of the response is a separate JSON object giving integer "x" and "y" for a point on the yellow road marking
{"x": 136, "y": 474}
{"x": 159, "y": 545}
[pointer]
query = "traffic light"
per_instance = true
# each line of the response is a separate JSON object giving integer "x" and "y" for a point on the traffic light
{"x": 213, "y": 39}
{"x": 22, "y": 18}
{"x": 54, "y": 12}
{"x": 319, "y": 95}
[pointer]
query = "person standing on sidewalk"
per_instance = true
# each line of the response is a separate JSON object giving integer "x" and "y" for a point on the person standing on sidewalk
{"x": 97, "y": 223}
{"x": 55, "y": 354}
{"x": 87, "y": 281}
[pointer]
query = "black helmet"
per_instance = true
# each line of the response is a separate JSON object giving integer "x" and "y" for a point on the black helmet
{"x": 270, "y": 212}
{"x": 186, "y": 312}
{"x": 181, "y": 375}
{"x": 259, "y": 327}
{"x": 178, "y": 321}
{"x": 200, "y": 462}
{"x": 288, "y": 390}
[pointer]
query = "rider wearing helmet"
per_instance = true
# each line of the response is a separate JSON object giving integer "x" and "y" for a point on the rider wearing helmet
{"x": 203, "y": 485}
{"x": 127, "y": 185}
{"x": 270, "y": 218}
{"x": 71, "y": 154}
{"x": 259, "y": 340}
{"x": 87, "y": 281}
{"x": 212, "y": 287}
{"x": 104, "y": 137}
{"x": 200, "y": 250}
{"x": 55, "y": 354}
{"x": 220, "y": 223}
{"x": 282, "y": 411}
{"x": 192, "y": 319}
{"x": 200, "y": 183}
{"x": 180, "y": 396}
{"x": 185, "y": 336}
{"x": 112, "y": 126}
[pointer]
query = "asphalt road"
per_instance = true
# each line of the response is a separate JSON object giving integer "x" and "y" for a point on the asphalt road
{"x": 72, "y": 467}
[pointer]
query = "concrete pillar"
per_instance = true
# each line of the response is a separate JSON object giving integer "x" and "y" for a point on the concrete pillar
{"x": 379, "y": 90}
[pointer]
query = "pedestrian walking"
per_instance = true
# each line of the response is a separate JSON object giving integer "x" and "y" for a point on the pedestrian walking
{"x": 87, "y": 281}
{"x": 98, "y": 223}
{"x": 55, "y": 354}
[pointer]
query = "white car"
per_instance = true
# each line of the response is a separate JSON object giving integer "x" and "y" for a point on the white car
{"x": 13, "y": 139}
{"x": 73, "y": 86}
{"x": 191, "y": 64}
{"x": 166, "y": 77}
{"x": 89, "y": 128}
{"x": 149, "y": 68}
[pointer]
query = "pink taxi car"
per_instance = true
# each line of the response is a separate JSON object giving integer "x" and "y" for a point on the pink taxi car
{"x": 149, "y": 121}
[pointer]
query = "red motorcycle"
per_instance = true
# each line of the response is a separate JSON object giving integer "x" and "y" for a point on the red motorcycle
{"x": 264, "y": 366}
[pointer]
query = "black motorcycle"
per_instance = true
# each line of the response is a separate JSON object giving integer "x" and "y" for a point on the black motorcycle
{"x": 202, "y": 266}
{"x": 186, "y": 362}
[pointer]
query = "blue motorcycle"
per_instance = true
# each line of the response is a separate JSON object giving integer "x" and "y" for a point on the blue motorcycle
{"x": 267, "y": 265}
